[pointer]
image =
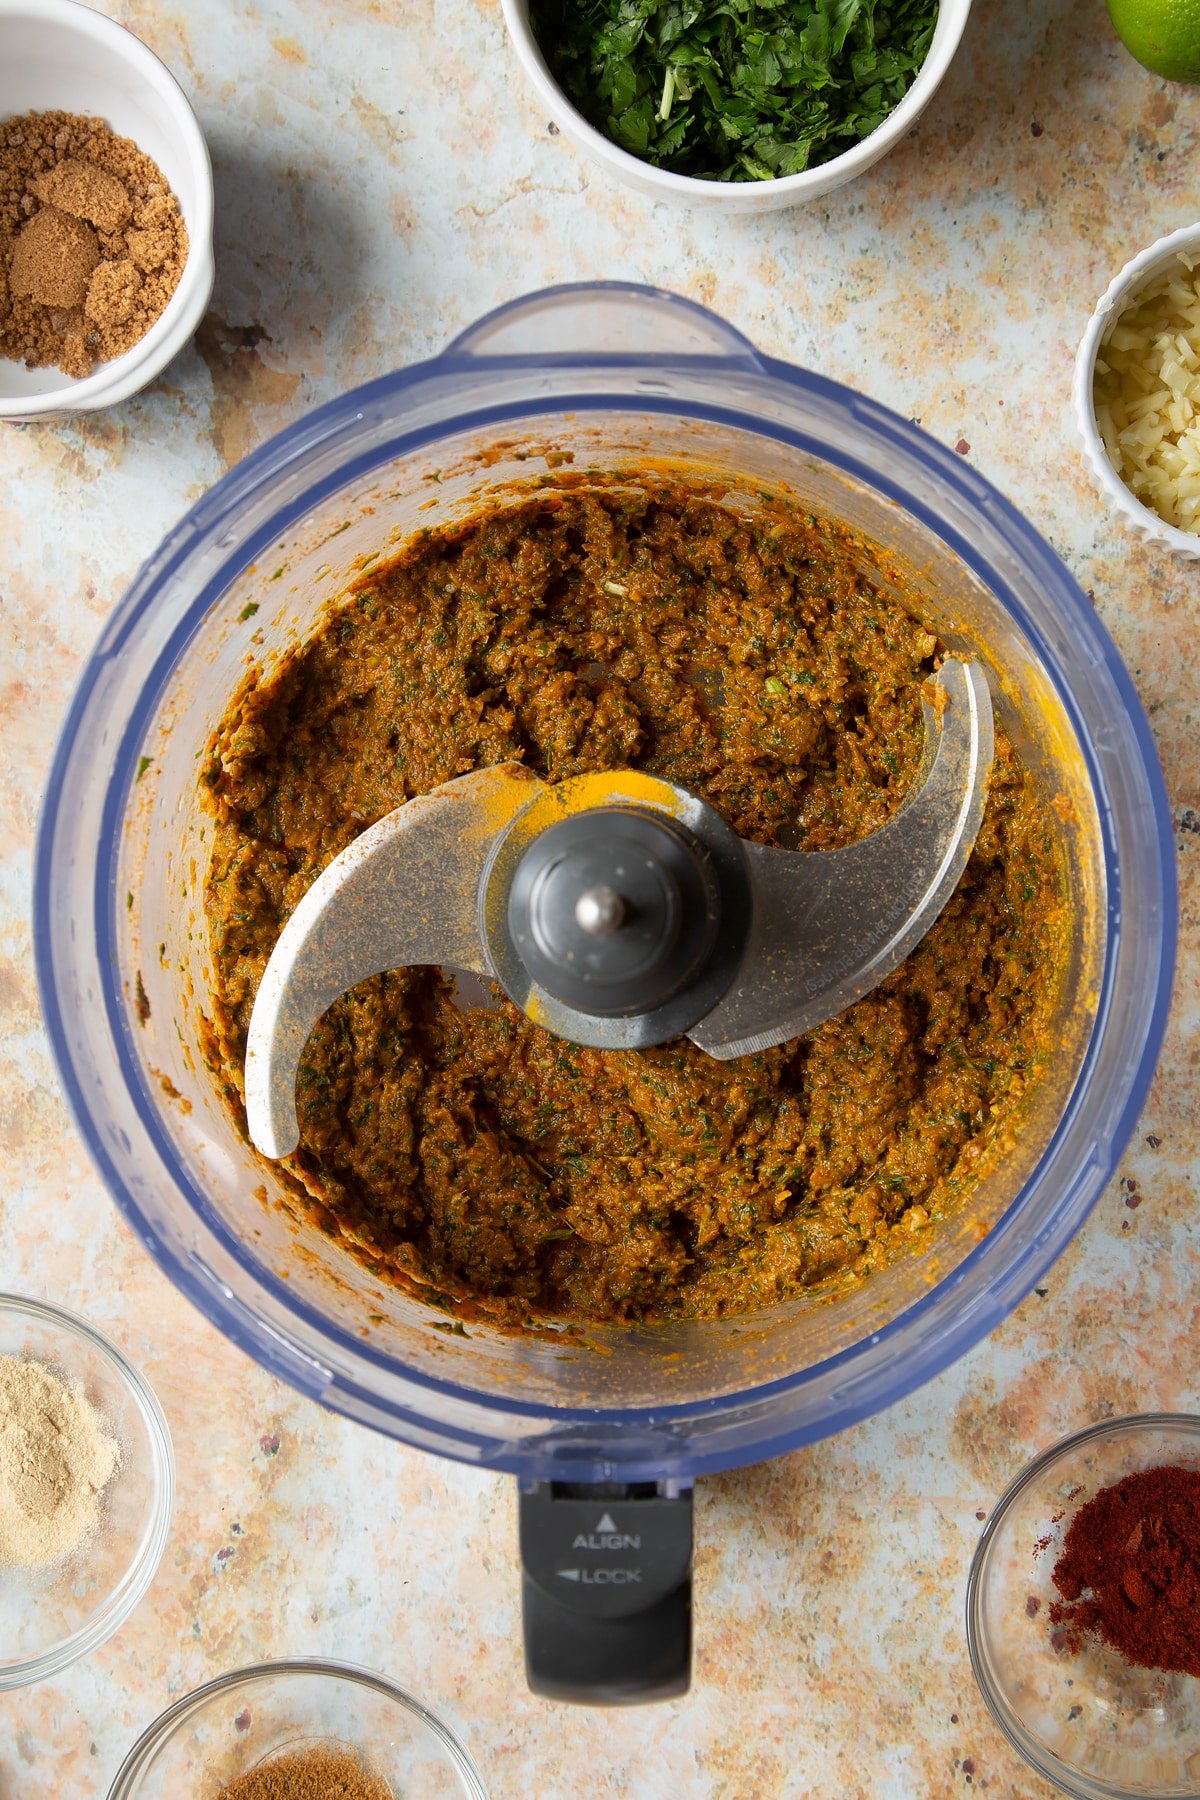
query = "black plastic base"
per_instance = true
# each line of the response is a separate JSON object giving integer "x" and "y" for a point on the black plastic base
{"x": 607, "y": 1591}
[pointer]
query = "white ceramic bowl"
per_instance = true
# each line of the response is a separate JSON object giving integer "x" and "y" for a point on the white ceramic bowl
{"x": 1117, "y": 297}
{"x": 58, "y": 56}
{"x": 51, "y": 1616}
{"x": 738, "y": 196}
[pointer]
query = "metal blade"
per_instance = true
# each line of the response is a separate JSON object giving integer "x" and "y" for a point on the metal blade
{"x": 827, "y": 926}
{"x": 401, "y": 895}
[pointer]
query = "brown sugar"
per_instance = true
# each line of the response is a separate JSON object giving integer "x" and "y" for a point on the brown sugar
{"x": 53, "y": 257}
{"x": 324, "y": 1772}
{"x": 92, "y": 244}
{"x": 112, "y": 293}
{"x": 148, "y": 249}
{"x": 87, "y": 191}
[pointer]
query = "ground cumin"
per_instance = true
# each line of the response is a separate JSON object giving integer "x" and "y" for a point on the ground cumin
{"x": 92, "y": 244}
{"x": 326, "y": 1772}
{"x": 1129, "y": 1571}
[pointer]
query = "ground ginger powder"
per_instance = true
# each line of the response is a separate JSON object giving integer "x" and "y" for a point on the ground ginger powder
{"x": 56, "y": 1459}
{"x": 92, "y": 244}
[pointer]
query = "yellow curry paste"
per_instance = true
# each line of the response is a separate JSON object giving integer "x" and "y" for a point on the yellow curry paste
{"x": 755, "y": 661}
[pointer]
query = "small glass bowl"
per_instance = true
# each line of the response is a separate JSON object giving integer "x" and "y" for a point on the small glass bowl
{"x": 222, "y": 1730}
{"x": 1088, "y": 1720}
{"x": 50, "y": 1616}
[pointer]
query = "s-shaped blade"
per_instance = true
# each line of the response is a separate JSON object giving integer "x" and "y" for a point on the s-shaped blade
{"x": 402, "y": 894}
{"x": 828, "y": 925}
{"x": 786, "y": 938}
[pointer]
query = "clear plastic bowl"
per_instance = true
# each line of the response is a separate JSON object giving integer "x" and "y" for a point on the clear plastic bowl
{"x": 1088, "y": 1720}
{"x": 609, "y": 377}
{"x": 51, "y": 1615}
{"x": 211, "y": 1736}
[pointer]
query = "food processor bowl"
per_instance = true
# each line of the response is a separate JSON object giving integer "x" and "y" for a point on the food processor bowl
{"x": 606, "y": 378}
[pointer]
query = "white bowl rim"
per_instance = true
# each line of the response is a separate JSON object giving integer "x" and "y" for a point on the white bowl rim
{"x": 124, "y": 375}
{"x": 854, "y": 161}
{"x": 113, "y": 1612}
{"x": 1120, "y": 291}
{"x": 160, "y": 1729}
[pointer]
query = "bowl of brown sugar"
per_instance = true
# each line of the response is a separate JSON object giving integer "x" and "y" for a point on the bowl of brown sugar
{"x": 106, "y": 211}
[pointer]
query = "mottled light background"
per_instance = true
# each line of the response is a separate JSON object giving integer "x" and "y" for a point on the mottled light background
{"x": 382, "y": 178}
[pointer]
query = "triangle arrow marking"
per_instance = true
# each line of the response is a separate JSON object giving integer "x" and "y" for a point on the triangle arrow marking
{"x": 606, "y": 1523}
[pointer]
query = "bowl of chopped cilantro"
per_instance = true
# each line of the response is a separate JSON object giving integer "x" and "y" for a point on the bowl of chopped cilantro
{"x": 744, "y": 105}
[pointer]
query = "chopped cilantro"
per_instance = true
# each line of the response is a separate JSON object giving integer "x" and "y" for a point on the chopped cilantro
{"x": 735, "y": 90}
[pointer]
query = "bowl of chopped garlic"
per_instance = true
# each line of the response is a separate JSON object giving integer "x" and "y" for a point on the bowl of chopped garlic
{"x": 298, "y": 1728}
{"x": 106, "y": 212}
{"x": 1137, "y": 392}
{"x": 86, "y": 1488}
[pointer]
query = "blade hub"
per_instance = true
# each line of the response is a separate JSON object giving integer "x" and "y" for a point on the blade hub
{"x": 600, "y": 909}
{"x": 613, "y": 911}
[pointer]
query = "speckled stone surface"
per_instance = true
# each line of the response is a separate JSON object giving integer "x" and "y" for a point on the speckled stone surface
{"x": 383, "y": 178}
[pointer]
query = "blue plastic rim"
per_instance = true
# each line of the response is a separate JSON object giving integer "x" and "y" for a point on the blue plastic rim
{"x": 764, "y": 1419}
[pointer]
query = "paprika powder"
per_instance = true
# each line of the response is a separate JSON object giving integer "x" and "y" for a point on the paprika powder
{"x": 1129, "y": 1570}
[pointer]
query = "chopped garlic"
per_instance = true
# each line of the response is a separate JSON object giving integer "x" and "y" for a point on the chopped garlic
{"x": 1146, "y": 393}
